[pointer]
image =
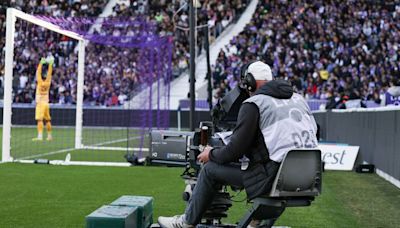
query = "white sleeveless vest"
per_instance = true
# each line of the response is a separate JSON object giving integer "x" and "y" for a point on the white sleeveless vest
{"x": 286, "y": 124}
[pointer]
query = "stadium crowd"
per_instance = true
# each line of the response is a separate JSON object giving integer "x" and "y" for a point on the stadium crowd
{"x": 173, "y": 20}
{"x": 105, "y": 84}
{"x": 328, "y": 49}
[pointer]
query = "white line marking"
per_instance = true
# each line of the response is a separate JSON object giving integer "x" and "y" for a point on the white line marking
{"x": 49, "y": 153}
{"x": 116, "y": 148}
{"x": 86, "y": 147}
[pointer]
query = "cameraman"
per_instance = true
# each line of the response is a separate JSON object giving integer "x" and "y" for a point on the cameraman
{"x": 273, "y": 121}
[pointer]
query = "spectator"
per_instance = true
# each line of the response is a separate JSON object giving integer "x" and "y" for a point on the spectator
{"x": 392, "y": 96}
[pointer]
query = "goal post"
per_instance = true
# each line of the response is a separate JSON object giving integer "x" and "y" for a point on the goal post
{"x": 94, "y": 126}
{"x": 8, "y": 75}
{"x": 79, "y": 99}
{"x": 11, "y": 17}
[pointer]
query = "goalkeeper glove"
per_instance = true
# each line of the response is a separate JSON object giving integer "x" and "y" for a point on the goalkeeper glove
{"x": 51, "y": 60}
{"x": 42, "y": 61}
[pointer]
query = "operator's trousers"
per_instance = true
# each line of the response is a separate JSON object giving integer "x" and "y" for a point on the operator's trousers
{"x": 213, "y": 175}
{"x": 210, "y": 179}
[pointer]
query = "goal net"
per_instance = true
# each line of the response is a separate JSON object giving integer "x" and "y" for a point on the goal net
{"x": 109, "y": 87}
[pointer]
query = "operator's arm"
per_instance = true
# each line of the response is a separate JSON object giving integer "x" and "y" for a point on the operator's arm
{"x": 243, "y": 137}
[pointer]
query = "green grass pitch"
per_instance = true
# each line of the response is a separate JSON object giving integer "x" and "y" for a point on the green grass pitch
{"x": 23, "y": 148}
{"x": 61, "y": 196}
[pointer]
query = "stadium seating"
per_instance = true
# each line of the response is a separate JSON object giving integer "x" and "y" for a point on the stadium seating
{"x": 328, "y": 49}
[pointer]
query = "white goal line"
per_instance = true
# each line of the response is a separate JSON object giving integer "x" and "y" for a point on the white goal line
{"x": 96, "y": 146}
{"x": 45, "y": 154}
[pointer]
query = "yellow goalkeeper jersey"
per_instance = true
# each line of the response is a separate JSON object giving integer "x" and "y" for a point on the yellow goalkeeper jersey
{"x": 43, "y": 86}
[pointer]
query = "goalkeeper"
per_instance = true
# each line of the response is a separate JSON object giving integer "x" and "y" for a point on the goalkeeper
{"x": 42, "y": 112}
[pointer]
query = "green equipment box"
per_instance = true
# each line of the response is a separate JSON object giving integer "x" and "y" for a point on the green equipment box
{"x": 144, "y": 205}
{"x": 113, "y": 216}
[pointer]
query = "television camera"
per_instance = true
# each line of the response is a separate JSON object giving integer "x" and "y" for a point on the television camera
{"x": 178, "y": 148}
{"x": 297, "y": 183}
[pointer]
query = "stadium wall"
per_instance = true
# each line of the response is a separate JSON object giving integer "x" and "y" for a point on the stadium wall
{"x": 376, "y": 131}
{"x": 104, "y": 117}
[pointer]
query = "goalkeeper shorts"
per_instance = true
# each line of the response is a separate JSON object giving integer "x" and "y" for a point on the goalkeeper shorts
{"x": 42, "y": 111}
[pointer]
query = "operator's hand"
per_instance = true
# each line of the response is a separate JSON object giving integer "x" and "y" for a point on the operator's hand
{"x": 42, "y": 61}
{"x": 51, "y": 60}
{"x": 204, "y": 156}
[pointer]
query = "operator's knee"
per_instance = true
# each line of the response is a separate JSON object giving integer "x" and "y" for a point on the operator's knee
{"x": 209, "y": 168}
{"x": 209, "y": 173}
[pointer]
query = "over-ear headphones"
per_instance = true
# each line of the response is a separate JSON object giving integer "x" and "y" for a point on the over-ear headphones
{"x": 248, "y": 81}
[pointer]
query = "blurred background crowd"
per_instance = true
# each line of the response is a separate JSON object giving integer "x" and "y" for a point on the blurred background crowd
{"x": 331, "y": 50}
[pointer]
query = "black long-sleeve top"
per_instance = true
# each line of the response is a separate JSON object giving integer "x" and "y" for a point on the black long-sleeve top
{"x": 246, "y": 137}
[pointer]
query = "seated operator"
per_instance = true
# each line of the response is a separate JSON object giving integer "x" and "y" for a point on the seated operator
{"x": 273, "y": 121}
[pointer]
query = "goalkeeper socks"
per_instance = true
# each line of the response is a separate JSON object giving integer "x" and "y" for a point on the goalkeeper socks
{"x": 40, "y": 129}
{"x": 48, "y": 127}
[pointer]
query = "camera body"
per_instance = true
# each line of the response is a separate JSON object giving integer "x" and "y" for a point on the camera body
{"x": 169, "y": 147}
{"x": 180, "y": 148}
